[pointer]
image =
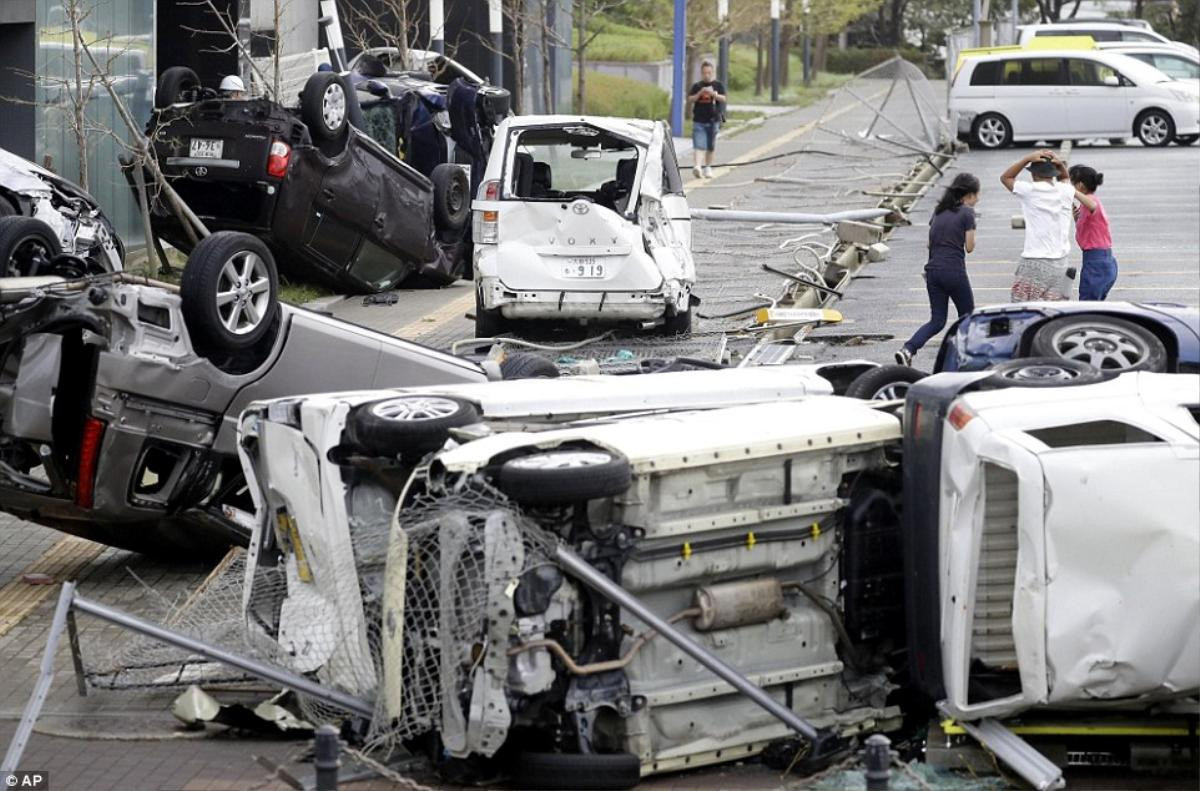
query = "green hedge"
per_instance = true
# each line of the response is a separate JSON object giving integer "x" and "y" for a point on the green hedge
{"x": 624, "y": 43}
{"x": 742, "y": 59}
{"x": 859, "y": 59}
{"x": 608, "y": 94}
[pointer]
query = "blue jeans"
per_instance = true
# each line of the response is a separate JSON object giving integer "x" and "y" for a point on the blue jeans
{"x": 1098, "y": 274}
{"x": 704, "y": 136}
{"x": 943, "y": 285}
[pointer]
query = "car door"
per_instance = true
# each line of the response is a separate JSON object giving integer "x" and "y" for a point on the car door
{"x": 1097, "y": 99}
{"x": 1031, "y": 97}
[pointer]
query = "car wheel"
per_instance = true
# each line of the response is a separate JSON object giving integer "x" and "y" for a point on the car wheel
{"x": 1044, "y": 372}
{"x": 885, "y": 383}
{"x": 1186, "y": 140}
{"x": 523, "y": 365}
{"x": 177, "y": 84}
{"x": 564, "y": 476}
{"x": 489, "y": 323}
{"x": 584, "y": 772}
{"x": 408, "y": 426}
{"x": 991, "y": 130}
{"x": 678, "y": 323}
{"x": 1103, "y": 342}
{"x": 1154, "y": 128}
{"x": 229, "y": 293}
{"x": 451, "y": 197}
{"x": 27, "y": 246}
{"x": 324, "y": 106}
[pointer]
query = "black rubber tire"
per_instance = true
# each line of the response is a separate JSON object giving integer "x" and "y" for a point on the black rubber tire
{"x": 312, "y": 106}
{"x": 602, "y": 475}
{"x": 7, "y": 208}
{"x": 27, "y": 246}
{"x": 523, "y": 365}
{"x": 576, "y": 771}
{"x": 1186, "y": 140}
{"x": 1043, "y": 372}
{"x": 172, "y": 84}
{"x": 489, "y": 323}
{"x": 200, "y": 283}
{"x": 1149, "y": 352}
{"x": 373, "y": 430}
{"x": 1141, "y": 134}
{"x": 451, "y": 197}
{"x": 873, "y": 385}
{"x": 977, "y": 142}
{"x": 677, "y": 323}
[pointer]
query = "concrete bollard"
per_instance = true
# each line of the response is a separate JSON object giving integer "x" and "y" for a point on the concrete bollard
{"x": 325, "y": 757}
{"x": 877, "y": 758}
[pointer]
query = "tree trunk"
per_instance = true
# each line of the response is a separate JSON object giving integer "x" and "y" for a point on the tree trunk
{"x": 758, "y": 66}
{"x": 785, "y": 52}
{"x": 78, "y": 100}
{"x": 547, "y": 42}
{"x": 517, "y": 26}
{"x": 820, "y": 50}
{"x": 580, "y": 60}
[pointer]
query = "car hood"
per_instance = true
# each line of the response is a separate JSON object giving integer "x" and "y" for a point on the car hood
{"x": 21, "y": 175}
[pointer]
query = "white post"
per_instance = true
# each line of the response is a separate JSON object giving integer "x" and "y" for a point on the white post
{"x": 437, "y": 26}
{"x": 723, "y": 44}
{"x": 496, "y": 28}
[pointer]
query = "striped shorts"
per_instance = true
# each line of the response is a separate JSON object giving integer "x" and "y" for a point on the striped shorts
{"x": 1039, "y": 279}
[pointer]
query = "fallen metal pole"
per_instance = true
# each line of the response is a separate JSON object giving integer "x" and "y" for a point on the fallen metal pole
{"x": 736, "y": 215}
{"x": 293, "y": 681}
{"x": 580, "y": 568}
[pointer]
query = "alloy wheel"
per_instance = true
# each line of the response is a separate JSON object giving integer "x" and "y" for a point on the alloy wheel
{"x": 333, "y": 105}
{"x": 1154, "y": 129}
{"x": 243, "y": 293}
{"x": 1106, "y": 348}
{"x": 415, "y": 408}
{"x": 992, "y": 132}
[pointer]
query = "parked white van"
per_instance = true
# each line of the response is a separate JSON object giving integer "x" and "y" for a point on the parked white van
{"x": 1029, "y": 95}
{"x": 1167, "y": 58}
{"x": 1100, "y": 31}
{"x": 582, "y": 219}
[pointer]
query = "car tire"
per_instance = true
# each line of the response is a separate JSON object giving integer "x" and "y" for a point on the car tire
{"x": 576, "y": 771}
{"x": 523, "y": 365}
{"x": 325, "y": 106}
{"x": 564, "y": 476}
{"x": 991, "y": 131}
{"x": 407, "y": 426}
{"x": 678, "y": 323}
{"x": 451, "y": 197}
{"x": 1186, "y": 140}
{"x": 1155, "y": 128}
{"x": 1043, "y": 372}
{"x": 1103, "y": 342}
{"x": 229, "y": 293}
{"x": 7, "y": 209}
{"x": 489, "y": 323}
{"x": 174, "y": 85}
{"x": 27, "y": 246}
{"x": 885, "y": 383}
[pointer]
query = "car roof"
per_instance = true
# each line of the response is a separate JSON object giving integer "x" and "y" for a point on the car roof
{"x": 1156, "y": 47}
{"x": 633, "y": 128}
{"x": 1098, "y": 24}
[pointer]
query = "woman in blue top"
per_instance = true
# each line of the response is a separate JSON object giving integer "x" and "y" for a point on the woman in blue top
{"x": 951, "y": 237}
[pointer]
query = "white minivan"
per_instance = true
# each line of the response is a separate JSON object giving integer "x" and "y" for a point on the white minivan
{"x": 582, "y": 219}
{"x": 1100, "y": 30}
{"x": 1076, "y": 94}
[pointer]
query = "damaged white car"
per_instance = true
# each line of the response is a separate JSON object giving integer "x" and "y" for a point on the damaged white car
{"x": 582, "y": 219}
{"x": 43, "y": 216}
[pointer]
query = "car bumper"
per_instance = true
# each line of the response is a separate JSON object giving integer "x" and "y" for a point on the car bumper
{"x": 594, "y": 305}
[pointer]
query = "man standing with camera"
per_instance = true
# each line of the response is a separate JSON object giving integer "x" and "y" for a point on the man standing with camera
{"x": 708, "y": 102}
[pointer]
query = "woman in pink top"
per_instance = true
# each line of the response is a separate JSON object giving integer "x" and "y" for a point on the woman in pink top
{"x": 1091, "y": 232}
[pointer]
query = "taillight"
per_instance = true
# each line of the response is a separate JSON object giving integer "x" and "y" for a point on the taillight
{"x": 959, "y": 416}
{"x": 278, "y": 159}
{"x": 488, "y": 230}
{"x": 89, "y": 456}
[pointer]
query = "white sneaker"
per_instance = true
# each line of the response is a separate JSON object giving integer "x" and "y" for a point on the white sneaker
{"x": 708, "y": 171}
{"x": 698, "y": 173}
{"x": 904, "y": 357}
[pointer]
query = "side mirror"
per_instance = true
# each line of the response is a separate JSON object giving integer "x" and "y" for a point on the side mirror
{"x": 1112, "y": 81}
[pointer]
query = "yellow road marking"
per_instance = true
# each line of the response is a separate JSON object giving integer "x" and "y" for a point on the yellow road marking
{"x": 455, "y": 308}
{"x": 62, "y": 562}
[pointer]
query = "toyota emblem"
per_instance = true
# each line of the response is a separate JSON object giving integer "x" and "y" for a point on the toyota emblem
{"x": 579, "y": 207}
{"x": 200, "y": 171}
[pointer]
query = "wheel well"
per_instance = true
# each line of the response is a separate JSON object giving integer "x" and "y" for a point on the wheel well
{"x": 1138, "y": 118}
{"x": 1155, "y": 328}
{"x": 981, "y": 116}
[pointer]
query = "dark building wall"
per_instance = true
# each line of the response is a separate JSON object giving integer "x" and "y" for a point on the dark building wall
{"x": 16, "y": 88}
{"x": 179, "y": 45}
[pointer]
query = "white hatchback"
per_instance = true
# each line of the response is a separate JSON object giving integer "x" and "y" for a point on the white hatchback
{"x": 1077, "y": 94}
{"x": 582, "y": 219}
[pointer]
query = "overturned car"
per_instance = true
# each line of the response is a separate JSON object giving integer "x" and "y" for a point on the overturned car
{"x": 789, "y": 537}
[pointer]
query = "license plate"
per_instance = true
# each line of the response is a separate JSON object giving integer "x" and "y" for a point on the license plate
{"x": 205, "y": 148}
{"x": 583, "y": 268}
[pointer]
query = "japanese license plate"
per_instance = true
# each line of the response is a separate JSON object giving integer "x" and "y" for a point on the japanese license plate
{"x": 583, "y": 268}
{"x": 206, "y": 148}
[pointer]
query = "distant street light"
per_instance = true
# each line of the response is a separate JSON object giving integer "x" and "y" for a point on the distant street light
{"x": 496, "y": 28}
{"x": 775, "y": 50}
{"x": 679, "y": 58}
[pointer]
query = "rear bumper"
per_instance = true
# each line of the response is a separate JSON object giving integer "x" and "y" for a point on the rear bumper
{"x": 591, "y": 305}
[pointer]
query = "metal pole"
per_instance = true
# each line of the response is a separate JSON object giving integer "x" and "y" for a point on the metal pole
{"x": 737, "y": 215}
{"x": 282, "y": 677}
{"x": 723, "y": 44}
{"x": 679, "y": 58}
{"x": 33, "y": 708}
{"x": 325, "y": 757}
{"x": 496, "y": 27}
{"x": 437, "y": 26}
{"x": 580, "y": 568}
{"x": 1016, "y": 19}
{"x": 775, "y": 50}
{"x": 807, "y": 57}
{"x": 975, "y": 14}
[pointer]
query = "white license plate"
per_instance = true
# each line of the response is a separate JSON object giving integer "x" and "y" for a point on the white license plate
{"x": 205, "y": 148}
{"x": 583, "y": 268}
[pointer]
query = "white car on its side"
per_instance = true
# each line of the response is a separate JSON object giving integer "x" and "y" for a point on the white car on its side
{"x": 1031, "y": 95}
{"x": 582, "y": 219}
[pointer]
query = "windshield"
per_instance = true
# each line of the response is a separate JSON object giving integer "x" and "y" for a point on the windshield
{"x": 573, "y": 162}
{"x": 1140, "y": 73}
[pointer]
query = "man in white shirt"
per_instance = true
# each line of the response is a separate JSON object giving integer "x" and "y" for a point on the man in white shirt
{"x": 1046, "y": 202}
